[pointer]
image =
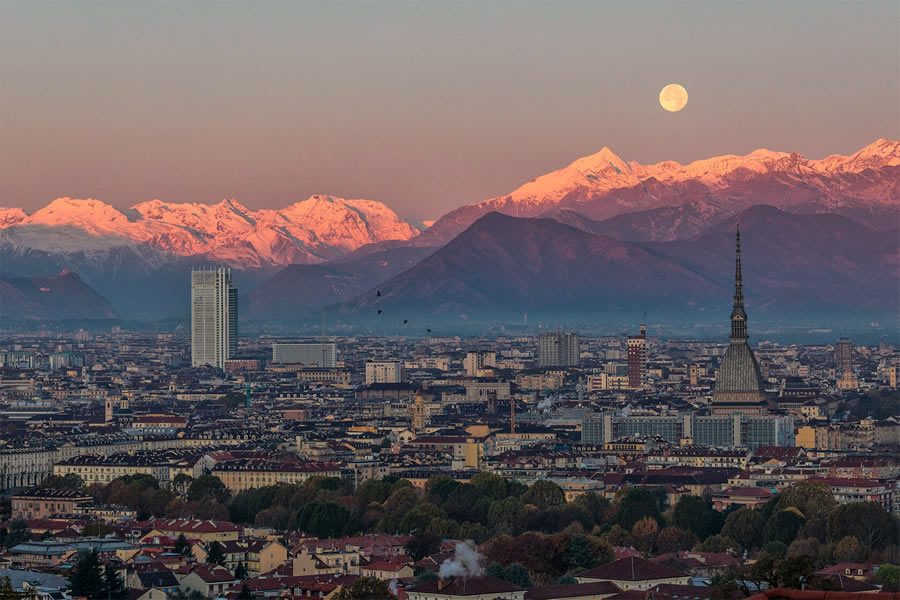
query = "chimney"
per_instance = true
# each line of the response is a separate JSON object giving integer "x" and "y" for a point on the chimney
{"x": 512, "y": 415}
{"x": 443, "y": 582}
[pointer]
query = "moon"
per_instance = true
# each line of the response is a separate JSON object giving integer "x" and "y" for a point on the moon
{"x": 673, "y": 97}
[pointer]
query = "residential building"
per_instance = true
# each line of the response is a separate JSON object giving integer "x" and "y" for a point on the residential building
{"x": 384, "y": 371}
{"x": 322, "y": 355}
{"x": 559, "y": 349}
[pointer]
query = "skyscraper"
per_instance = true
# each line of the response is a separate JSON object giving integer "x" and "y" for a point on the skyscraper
{"x": 637, "y": 359}
{"x": 739, "y": 384}
{"x": 843, "y": 356}
{"x": 214, "y": 317}
{"x": 559, "y": 349}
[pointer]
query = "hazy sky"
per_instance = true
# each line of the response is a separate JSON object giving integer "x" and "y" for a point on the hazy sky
{"x": 422, "y": 105}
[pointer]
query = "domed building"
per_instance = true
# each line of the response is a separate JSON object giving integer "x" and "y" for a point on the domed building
{"x": 739, "y": 384}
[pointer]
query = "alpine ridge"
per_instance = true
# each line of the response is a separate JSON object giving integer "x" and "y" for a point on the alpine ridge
{"x": 862, "y": 186}
{"x": 314, "y": 230}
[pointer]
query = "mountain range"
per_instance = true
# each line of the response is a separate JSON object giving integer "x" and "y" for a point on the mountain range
{"x": 598, "y": 236}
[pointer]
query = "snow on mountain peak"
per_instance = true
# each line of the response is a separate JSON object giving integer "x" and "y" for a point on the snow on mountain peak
{"x": 313, "y": 230}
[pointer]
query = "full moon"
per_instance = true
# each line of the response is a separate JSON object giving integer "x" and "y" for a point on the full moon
{"x": 673, "y": 97}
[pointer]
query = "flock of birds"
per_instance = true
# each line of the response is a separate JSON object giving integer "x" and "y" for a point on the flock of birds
{"x": 405, "y": 321}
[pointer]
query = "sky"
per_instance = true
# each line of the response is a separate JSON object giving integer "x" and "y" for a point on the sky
{"x": 424, "y": 106}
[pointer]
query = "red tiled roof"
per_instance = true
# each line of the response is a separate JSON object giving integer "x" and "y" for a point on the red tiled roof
{"x": 466, "y": 586}
{"x": 632, "y": 568}
{"x": 593, "y": 588}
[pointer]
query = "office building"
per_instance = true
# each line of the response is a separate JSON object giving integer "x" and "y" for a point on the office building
{"x": 637, "y": 360}
{"x": 736, "y": 429}
{"x": 384, "y": 371}
{"x": 310, "y": 354}
{"x": 559, "y": 349}
{"x": 739, "y": 384}
{"x": 214, "y": 317}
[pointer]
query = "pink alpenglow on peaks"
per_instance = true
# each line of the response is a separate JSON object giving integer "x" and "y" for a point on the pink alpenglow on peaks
{"x": 311, "y": 231}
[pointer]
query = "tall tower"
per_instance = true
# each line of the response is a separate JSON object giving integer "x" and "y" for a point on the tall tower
{"x": 637, "y": 359}
{"x": 843, "y": 356}
{"x": 108, "y": 413}
{"x": 214, "y": 312}
{"x": 559, "y": 349}
{"x": 739, "y": 383}
{"x": 418, "y": 414}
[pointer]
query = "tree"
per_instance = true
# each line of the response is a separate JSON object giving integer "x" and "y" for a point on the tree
{"x": 814, "y": 500}
{"x": 240, "y": 571}
{"x": 181, "y": 545}
{"x": 490, "y": 484}
{"x": 17, "y": 533}
{"x": 113, "y": 582}
{"x": 543, "y": 494}
{"x": 565, "y": 580}
{"x": 889, "y": 577}
{"x": 690, "y": 514}
{"x": 850, "y": 550}
{"x": 716, "y": 543}
{"x": 872, "y": 526}
{"x": 518, "y": 575}
{"x": 637, "y": 503}
{"x": 206, "y": 487}
{"x": 181, "y": 485}
{"x": 673, "y": 539}
{"x": 617, "y": 536}
{"x": 325, "y": 519}
{"x": 644, "y": 533}
{"x": 580, "y": 553}
{"x": 776, "y": 549}
{"x": 87, "y": 577}
{"x": 744, "y": 526}
{"x": 215, "y": 555}
{"x": 72, "y": 481}
{"x": 783, "y": 526}
{"x": 245, "y": 594}
{"x": 366, "y": 588}
{"x": 422, "y": 544}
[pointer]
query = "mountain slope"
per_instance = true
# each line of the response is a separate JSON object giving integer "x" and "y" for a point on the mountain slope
{"x": 864, "y": 186}
{"x": 301, "y": 289}
{"x": 314, "y": 230}
{"x": 502, "y": 265}
{"x": 793, "y": 265}
{"x": 55, "y": 297}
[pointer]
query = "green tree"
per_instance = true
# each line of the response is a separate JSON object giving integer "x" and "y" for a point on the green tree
{"x": 744, "y": 526}
{"x": 181, "y": 485}
{"x": 181, "y": 545}
{"x": 635, "y": 504}
{"x": 490, "y": 484}
{"x": 814, "y": 500}
{"x": 889, "y": 577}
{"x": 17, "y": 533}
{"x": 580, "y": 553}
{"x": 716, "y": 543}
{"x": 87, "y": 577}
{"x": 215, "y": 555}
{"x": 422, "y": 544}
{"x": 419, "y": 517}
{"x": 518, "y": 575}
{"x": 783, "y": 526}
{"x": 245, "y": 594}
{"x": 325, "y": 519}
{"x": 868, "y": 522}
{"x": 240, "y": 571}
{"x": 565, "y": 580}
{"x": 113, "y": 582}
{"x": 776, "y": 549}
{"x": 366, "y": 588}
{"x": 690, "y": 514}
{"x": 673, "y": 539}
{"x": 72, "y": 481}
{"x": 206, "y": 487}
{"x": 543, "y": 494}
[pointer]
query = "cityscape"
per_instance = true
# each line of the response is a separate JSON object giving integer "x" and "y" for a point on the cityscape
{"x": 668, "y": 377}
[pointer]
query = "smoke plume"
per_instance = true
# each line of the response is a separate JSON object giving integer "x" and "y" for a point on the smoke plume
{"x": 466, "y": 561}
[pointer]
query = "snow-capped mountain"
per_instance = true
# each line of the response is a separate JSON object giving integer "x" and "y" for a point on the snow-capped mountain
{"x": 864, "y": 186}
{"x": 311, "y": 231}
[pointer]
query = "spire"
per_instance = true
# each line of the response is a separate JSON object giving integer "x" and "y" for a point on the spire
{"x": 738, "y": 315}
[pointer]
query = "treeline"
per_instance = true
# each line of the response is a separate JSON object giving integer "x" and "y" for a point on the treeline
{"x": 534, "y": 526}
